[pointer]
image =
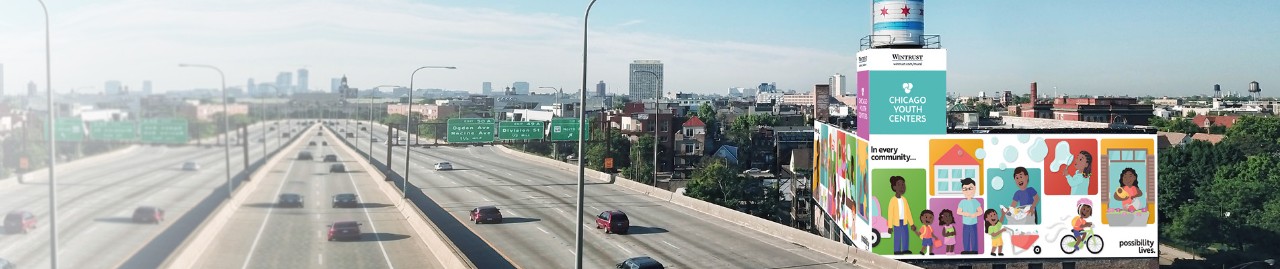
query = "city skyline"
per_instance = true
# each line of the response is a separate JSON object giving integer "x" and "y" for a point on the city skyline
{"x": 704, "y": 46}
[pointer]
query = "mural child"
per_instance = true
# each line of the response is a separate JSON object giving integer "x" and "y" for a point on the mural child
{"x": 926, "y": 232}
{"x": 1025, "y": 195}
{"x": 968, "y": 210}
{"x": 1128, "y": 190}
{"x": 1085, "y": 209}
{"x": 898, "y": 217}
{"x": 1079, "y": 180}
{"x": 996, "y": 229}
{"x": 948, "y": 221}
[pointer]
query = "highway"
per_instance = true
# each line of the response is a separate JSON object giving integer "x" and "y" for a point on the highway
{"x": 539, "y": 203}
{"x": 262, "y": 235}
{"x": 97, "y": 197}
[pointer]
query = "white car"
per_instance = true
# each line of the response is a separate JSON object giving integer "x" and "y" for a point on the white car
{"x": 190, "y": 166}
{"x": 444, "y": 166}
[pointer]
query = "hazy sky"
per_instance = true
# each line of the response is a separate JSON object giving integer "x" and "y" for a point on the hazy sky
{"x": 1080, "y": 47}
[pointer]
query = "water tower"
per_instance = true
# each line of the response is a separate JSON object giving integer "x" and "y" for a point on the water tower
{"x": 1217, "y": 91}
{"x": 1255, "y": 90}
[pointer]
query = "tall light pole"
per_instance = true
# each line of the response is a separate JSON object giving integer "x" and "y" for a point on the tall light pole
{"x": 656, "y": 96}
{"x": 408, "y": 120}
{"x": 582, "y": 172}
{"x": 555, "y": 147}
{"x": 226, "y": 114}
{"x": 370, "y": 127}
{"x": 53, "y": 190}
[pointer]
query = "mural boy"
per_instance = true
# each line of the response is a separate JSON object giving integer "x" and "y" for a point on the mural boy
{"x": 1085, "y": 209}
{"x": 1025, "y": 195}
{"x": 926, "y": 232}
{"x": 1079, "y": 180}
{"x": 969, "y": 212}
{"x": 899, "y": 218}
{"x": 1128, "y": 190}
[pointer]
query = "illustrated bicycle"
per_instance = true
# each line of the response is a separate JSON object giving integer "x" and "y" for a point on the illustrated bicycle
{"x": 1092, "y": 242}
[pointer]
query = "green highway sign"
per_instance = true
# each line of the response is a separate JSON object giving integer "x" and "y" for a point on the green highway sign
{"x": 520, "y": 130}
{"x": 113, "y": 130}
{"x": 169, "y": 131}
{"x": 470, "y": 130}
{"x": 564, "y": 129}
{"x": 68, "y": 129}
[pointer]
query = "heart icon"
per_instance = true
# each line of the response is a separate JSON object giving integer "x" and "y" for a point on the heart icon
{"x": 906, "y": 87}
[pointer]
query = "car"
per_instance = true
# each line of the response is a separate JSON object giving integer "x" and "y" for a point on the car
{"x": 271, "y": 128}
{"x": 642, "y": 262}
{"x": 6, "y": 264}
{"x": 290, "y": 200}
{"x": 19, "y": 221}
{"x": 345, "y": 200}
{"x": 320, "y": 133}
{"x": 375, "y": 139}
{"x": 324, "y": 143}
{"x": 312, "y": 143}
{"x": 148, "y": 214}
{"x": 305, "y": 155}
{"x": 364, "y": 129}
{"x": 342, "y": 230}
{"x": 444, "y": 166}
{"x": 262, "y": 140}
{"x": 190, "y": 166}
{"x": 486, "y": 214}
{"x": 751, "y": 171}
{"x": 337, "y": 168}
{"x": 285, "y": 134}
{"x": 613, "y": 221}
{"x": 330, "y": 158}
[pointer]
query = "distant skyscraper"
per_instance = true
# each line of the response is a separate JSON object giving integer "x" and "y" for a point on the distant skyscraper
{"x": 284, "y": 83}
{"x": 486, "y": 88}
{"x": 520, "y": 87}
{"x": 643, "y": 84}
{"x": 146, "y": 86}
{"x": 112, "y": 87}
{"x": 31, "y": 89}
{"x": 600, "y": 88}
{"x": 837, "y": 85}
{"x": 304, "y": 79}
{"x": 335, "y": 84}
{"x": 767, "y": 87}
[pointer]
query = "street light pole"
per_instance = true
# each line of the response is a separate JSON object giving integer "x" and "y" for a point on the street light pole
{"x": 226, "y": 147}
{"x": 582, "y": 172}
{"x": 656, "y": 96}
{"x": 53, "y": 190}
{"x": 408, "y": 119}
{"x": 370, "y": 127}
{"x": 555, "y": 147}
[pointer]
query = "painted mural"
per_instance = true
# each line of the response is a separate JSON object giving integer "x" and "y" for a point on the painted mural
{"x": 968, "y": 196}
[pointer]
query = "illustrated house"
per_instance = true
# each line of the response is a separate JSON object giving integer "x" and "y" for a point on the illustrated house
{"x": 953, "y": 166}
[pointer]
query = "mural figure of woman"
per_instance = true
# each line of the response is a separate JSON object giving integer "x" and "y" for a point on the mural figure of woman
{"x": 1078, "y": 178}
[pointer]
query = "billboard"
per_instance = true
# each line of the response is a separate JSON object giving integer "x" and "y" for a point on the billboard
{"x": 968, "y": 196}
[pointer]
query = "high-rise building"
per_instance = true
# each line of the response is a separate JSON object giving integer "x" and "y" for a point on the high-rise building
{"x": 284, "y": 83}
{"x": 486, "y": 88}
{"x": 146, "y": 86}
{"x": 252, "y": 88}
{"x": 838, "y": 85}
{"x": 335, "y": 84}
{"x": 767, "y": 87}
{"x": 600, "y": 88}
{"x": 304, "y": 79}
{"x": 520, "y": 88}
{"x": 31, "y": 89}
{"x": 645, "y": 85}
{"x": 112, "y": 87}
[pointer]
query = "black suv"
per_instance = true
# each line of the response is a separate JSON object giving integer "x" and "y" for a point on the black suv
{"x": 305, "y": 155}
{"x": 148, "y": 214}
{"x": 345, "y": 200}
{"x": 330, "y": 158}
{"x": 337, "y": 168}
{"x": 642, "y": 262}
{"x": 290, "y": 200}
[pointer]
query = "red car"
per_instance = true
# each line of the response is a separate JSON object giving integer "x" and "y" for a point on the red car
{"x": 19, "y": 221}
{"x": 613, "y": 221}
{"x": 484, "y": 214}
{"x": 344, "y": 230}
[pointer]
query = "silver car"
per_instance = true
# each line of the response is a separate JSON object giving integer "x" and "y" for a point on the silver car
{"x": 190, "y": 166}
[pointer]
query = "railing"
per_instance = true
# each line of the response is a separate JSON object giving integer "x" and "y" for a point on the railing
{"x": 926, "y": 42}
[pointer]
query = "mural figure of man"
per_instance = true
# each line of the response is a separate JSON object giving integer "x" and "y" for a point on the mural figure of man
{"x": 969, "y": 209}
{"x": 900, "y": 216}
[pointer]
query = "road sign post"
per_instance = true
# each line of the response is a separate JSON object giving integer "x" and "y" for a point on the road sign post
{"x": 470, "y": 130}
{"x": 565, "y": 129}
{"x": 520, "y": 130}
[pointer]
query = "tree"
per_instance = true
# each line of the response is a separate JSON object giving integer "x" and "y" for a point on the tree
{"x": 394, "y": 119}
{"x": 1191, "y": 114}
{"x": 1182, "y": 125}
{"x": 616, "y": 145}
{"x": 983, "y": 109}
{"x": 1217, "y": 129}
{"x": 642, "y": 162}
{"x": 716, "y": 183}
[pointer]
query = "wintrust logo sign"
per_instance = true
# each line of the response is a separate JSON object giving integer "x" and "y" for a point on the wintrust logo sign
{"x": 908, "y": 59}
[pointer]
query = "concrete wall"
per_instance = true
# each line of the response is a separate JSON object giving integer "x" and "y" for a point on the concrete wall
{"x": 848, "y": 253}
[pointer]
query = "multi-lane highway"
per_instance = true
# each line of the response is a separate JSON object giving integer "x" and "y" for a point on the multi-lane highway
{"x": 261, "y": 234}
{"x": 97, "y": 197}
{"x": 539, "y": 206}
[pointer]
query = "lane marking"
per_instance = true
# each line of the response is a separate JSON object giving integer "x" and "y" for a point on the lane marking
{"x": 543, "y": 231}
{"x": 321, "y": 259}
{"x": 669, "y": 244}
{"x": 371, "y": 223}
{"x": 263, "y": 227}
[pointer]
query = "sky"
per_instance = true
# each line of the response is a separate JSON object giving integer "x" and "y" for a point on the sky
{"x": 1133, "y": 48}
